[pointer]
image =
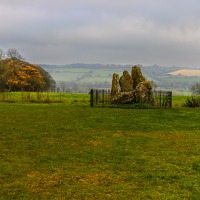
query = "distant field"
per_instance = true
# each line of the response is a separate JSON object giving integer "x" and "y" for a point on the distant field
{"x": 95, "y": 79}
{"x": 66, "y": 76}
{"x": 178, "y": 81}
{"x": 186, "y": 72}
{"x": 81, "y": 75}
{"x": 70, "y": 70}
{"x": 182, "y": 79}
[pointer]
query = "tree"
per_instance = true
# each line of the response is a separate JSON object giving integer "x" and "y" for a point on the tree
{"x": 63, "y": 85}
{"x": 3, "y": 78}
{"x": 32, "y": 78}
{"x": 14, "y": 54}
{"x": 154, "y": 85}
{"x": 17, "y": 75}
{"x": 26, "y": 78}
{"x": 50, "y": 84}
{"x": 196, "y": 89}
{"x": 1, "y": 54}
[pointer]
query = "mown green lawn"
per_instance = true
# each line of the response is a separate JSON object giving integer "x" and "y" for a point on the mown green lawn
{"x": 72, "y": 151}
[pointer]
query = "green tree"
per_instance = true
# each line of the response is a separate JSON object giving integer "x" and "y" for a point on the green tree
{"x": 50, "y": 83}
{"x": 1, "y": 54}
{"x": 196, "y": 89}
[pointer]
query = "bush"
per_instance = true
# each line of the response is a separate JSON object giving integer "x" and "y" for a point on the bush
{"x": 192, "y": 102}
{"x": 196, "y": 89}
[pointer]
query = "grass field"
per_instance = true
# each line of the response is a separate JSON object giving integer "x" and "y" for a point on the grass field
{"x": 59, "y": 97}
{"x": 81, "y": 75}
{"x": 72, "y": 151}
{"x": 44, "y": 97}
{"x": 182, "y": 80}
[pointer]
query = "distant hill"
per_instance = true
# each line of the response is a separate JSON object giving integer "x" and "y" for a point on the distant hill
{"x": 111, "y": 66}
{"x": 100, "y": 75}
{"x": 86, "y": 66}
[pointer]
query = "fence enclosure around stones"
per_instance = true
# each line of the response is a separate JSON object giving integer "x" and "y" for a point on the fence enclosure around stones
{"x": 102, "y": 98}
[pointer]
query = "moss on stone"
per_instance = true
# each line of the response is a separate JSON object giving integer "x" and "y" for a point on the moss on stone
{"x": 115, "y": 84}
{"x": 126, "y": 82}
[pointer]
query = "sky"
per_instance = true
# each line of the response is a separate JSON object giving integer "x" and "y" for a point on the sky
{"x": 147, "y": 32}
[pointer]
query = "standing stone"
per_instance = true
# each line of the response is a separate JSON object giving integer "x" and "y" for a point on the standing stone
{"x": 143, "y": 92}
{"x": 134, "y": 88}
{"x": 123, "y": 98}
{"x": 115, "y": 84}
{"x": 137, "y": 76}
{"x": 126, "y": 82}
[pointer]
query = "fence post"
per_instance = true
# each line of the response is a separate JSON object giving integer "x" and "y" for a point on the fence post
{"x": 97, "y": 96}
{"x": 160, "y": 99}
{"x": 103, "y": 97}
{"x": 92, "y": 98}
{"x": 170, "y": 99}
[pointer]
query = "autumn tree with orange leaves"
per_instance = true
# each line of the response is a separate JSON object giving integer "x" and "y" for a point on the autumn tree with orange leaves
{"x": 26, "y": 78}
{"x": 17, "y": 75}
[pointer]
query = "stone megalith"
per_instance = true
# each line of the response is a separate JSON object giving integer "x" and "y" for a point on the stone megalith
{"x": 133, "y": 88}
{"x": 143, "y": 92}
{"x": 123, "y": 98}
{"x": 115, "y": 84}
{"x": 137, "y": 76}
{"x": 126, "y": 82}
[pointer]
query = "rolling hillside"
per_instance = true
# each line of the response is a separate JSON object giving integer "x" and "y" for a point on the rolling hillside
{"x": 98, "y": 75}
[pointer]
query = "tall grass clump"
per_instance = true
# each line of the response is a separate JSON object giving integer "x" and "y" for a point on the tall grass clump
{"x": 192, "y": 102}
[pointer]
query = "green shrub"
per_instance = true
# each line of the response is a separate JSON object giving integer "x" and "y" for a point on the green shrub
{"x": 192, "y": 102}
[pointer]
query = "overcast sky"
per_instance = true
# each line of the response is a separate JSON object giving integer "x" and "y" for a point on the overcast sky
{"x": 147, "y": 32}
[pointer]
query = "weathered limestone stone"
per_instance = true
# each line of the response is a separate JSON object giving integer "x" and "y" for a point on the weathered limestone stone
{"x": 137, "y": 76}
{"x": 123, "y": 98}
{"x": 143, "y": 92}
{"x": 126, "y": 82}
{"x": 115, "y": 84}
{"x": 134, "y": 88}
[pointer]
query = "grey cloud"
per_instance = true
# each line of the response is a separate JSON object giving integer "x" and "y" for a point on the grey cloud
{"x": 129, "y": 31}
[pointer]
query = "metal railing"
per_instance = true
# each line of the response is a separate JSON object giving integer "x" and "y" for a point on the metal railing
{"x": 102, "y": 98}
